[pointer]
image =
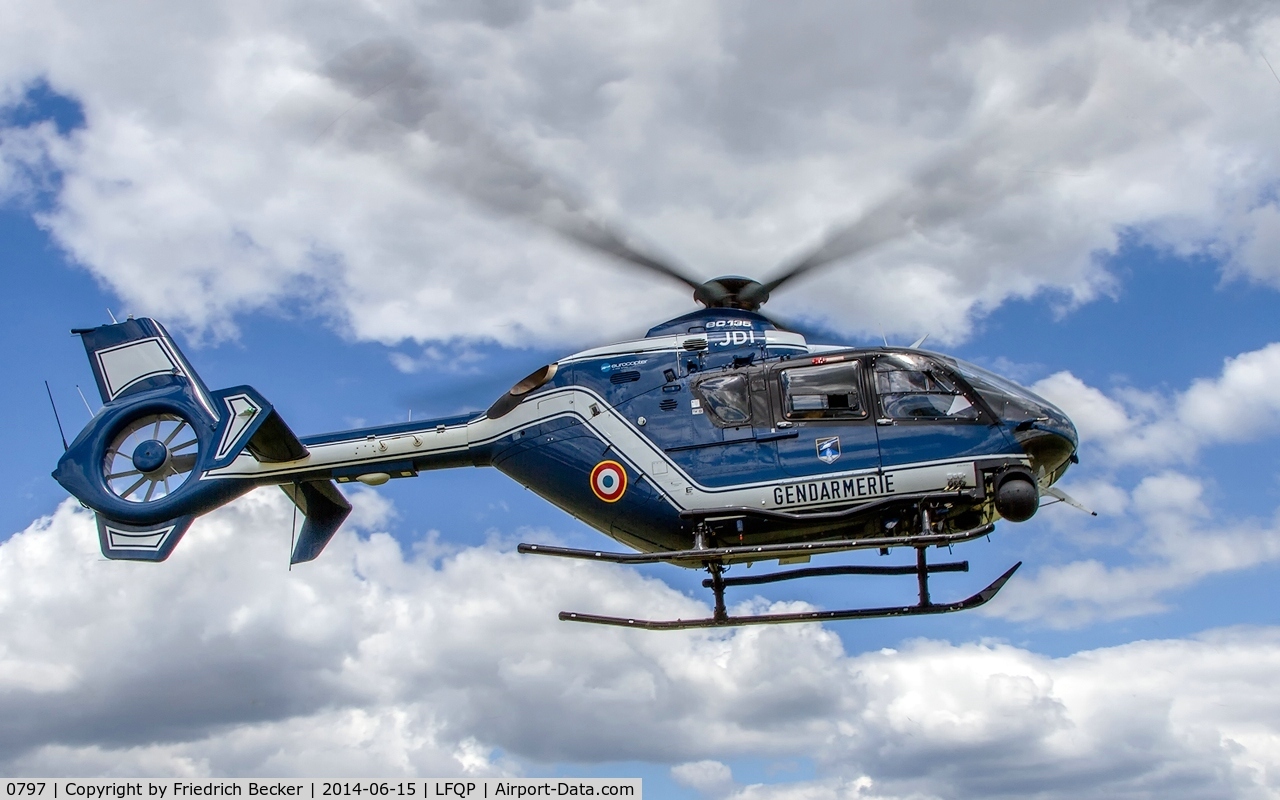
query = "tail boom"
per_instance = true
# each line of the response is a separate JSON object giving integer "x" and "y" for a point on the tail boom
{"x": 164, "y": 449}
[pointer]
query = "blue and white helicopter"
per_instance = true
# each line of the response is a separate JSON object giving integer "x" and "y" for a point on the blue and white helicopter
{"x": 720, "y": 438}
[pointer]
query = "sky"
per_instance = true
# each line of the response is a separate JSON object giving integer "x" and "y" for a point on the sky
{"x": 352, "y": 206}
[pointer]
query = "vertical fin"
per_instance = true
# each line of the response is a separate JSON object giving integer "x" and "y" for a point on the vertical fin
{"x": 324, "y": 509}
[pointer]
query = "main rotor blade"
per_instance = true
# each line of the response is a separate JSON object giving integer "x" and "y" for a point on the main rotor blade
{"x": 811, "y": 334}
{"x": 950, "y": 188}
{"x": 391, "y": 75}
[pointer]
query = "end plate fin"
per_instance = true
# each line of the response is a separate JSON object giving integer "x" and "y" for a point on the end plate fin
{"x": 324, "y": 508}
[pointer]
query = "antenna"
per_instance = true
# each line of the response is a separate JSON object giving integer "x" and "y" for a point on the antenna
{"x": 293, "y": 527}
{"x": 1273, "y": 69}
{"x": 85, "y": 401}
{"x": 114, "y": 321}
{"x": 55, "y": 417}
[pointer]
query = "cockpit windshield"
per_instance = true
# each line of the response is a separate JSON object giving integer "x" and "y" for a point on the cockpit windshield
{"x": 1011, "y": 402}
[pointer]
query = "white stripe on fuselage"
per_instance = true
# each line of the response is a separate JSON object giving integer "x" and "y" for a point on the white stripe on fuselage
{"x": 682, "y": 490}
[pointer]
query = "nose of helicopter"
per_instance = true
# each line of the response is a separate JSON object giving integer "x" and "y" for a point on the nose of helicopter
{"x": 1044, "y": 432}
{"x": 1049, "y": 437}
{"x": 1051, "y": 447}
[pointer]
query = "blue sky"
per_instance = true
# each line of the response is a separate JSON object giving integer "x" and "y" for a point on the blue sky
{"x": 294, "y": 235}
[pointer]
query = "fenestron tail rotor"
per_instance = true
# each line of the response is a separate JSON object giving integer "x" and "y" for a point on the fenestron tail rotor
{"x": 150, "y": 458}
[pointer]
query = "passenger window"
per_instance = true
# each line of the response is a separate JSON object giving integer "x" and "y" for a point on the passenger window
{"x": 912, "y": 387}
{"x": 824, "y": 392}
{"x": 726, "y": 398}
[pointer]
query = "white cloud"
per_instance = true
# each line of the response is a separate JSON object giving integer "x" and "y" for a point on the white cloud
{"x": 26, "y": 165}
{"x": 1159, "y": 535}
{"x": 1239, "y": 405}
{"x": 221, "y": 172}
{"x": 221, "y": 662}
{"x": 1166, "y": 540}
{"x": 1097, "y": 417}
{"x": 861, "y": 788}
{"x": 708, "y": 777}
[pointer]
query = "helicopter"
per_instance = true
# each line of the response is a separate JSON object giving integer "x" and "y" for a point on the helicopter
{"x": 721, "y": 437}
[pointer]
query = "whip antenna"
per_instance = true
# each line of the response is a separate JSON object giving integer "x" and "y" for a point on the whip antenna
{"x": 85, "y": 400}
{"x": 55, "y": 416}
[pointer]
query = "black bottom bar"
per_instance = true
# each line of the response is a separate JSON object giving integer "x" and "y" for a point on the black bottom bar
{"x": 981, "y": 598}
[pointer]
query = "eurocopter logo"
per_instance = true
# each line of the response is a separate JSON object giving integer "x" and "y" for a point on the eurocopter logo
{"x": 623, "y": 365}
{"x": 829, "y": 449}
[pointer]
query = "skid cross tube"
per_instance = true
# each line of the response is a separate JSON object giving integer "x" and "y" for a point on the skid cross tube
{"x": 818, "y": 572}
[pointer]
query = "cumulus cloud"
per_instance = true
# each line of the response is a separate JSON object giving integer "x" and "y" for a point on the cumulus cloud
{"x": 1239, "y": 405}
{"x": 235, "y": 160}
{"x": 1168, "y": 541}
{"x": 373, "y": 662}
{"x": 708, "y": 777}
{"x": 1158, "y": 534}
{"x": 27, "y": 166}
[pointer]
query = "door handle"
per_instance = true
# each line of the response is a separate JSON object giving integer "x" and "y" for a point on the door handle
{"x": 772, "y": 435}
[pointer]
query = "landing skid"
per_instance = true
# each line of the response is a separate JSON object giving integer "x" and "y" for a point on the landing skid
{"x": 714, "y": 560}
{"x": 722, "y": 619}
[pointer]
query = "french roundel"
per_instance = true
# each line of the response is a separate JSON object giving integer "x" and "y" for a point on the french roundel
{"x": 609, "y": 481}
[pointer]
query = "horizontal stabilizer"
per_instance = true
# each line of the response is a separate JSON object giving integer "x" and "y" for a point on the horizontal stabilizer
{"x": 249, "y": 422}
{"x": 324, "y": 508}
{"x": 124, "y": 542}
{"x": 274, "y": 441}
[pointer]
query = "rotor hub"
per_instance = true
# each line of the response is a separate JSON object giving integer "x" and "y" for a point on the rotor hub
{"x": 150, "y": 456}
{"x": 732, "y": 291}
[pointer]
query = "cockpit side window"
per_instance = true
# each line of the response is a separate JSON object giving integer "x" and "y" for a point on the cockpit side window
{"x": 830, "y": 391}
{"x": 726, "y": 398}
{"x": 914, "y": 387}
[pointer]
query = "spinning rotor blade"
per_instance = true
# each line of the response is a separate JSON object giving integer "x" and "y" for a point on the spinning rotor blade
{"x": 391, "y": 75}
{"x": 812, "y": 335}
{"x": 949, "y": 189}
{"x": 415, "y": 115}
